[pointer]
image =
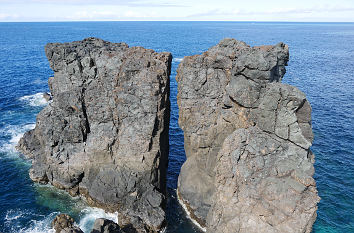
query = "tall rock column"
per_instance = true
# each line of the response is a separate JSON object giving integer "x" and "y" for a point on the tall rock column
{"x": 105, "y": 133}
{"x": 246, "y": 136}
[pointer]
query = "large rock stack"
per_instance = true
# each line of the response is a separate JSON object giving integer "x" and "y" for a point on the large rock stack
{"x": 247, "y": 138}
{"x": 105, "y": 133}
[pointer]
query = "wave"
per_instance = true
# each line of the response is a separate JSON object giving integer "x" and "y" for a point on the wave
{"x": 90, "y": 214}
{"x": 14, "y": 132}
{"x": 43, "y": 223}
{"x": 177, "y": 59}
{"x": 35, "y": 100}
{"x": 188, "y": 213}
{"x": 14, "y": 218}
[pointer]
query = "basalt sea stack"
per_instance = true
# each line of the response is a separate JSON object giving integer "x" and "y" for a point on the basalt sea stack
{"x": 105, "y": 133}
{"x": 247, "y": 139}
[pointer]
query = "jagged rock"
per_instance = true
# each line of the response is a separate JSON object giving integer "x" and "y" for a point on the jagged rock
{"x": 102, "y": 225}
{"x": 47, "y": 96}
{"x": 231, "y": 87}
{"x": 104, "y": 135}
{"x": 63, "y": 223}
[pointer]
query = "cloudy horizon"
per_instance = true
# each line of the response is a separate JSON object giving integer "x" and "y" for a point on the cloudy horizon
{"x": 173, "y": 10}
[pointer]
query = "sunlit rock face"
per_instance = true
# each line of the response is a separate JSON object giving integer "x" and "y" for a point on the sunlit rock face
{"x": 105, "y": 133}
{"x": 247, "y": 138}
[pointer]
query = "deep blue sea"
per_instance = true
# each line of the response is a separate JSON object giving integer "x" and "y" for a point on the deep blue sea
{"x": 321, "y": 65}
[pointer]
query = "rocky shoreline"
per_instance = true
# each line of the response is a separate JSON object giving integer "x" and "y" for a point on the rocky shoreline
{"x": 247, "y": 136}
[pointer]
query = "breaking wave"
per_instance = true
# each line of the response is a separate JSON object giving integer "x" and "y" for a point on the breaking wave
{"x": 14, "y": 133}
{"x": 35, "y": 100}
{"x": 177, "y": 59}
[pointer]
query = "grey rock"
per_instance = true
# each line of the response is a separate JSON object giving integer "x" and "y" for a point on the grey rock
{"x": 47, "y": 96}
{"x": 102, "y": 225}
{"x": 63, "y": 223}
{"x": 233, "y": 92}
{"x": 104, "y": 135}
{"x": 263, "y": 184}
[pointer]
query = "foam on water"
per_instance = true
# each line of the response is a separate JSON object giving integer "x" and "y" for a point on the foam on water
{"x": 13, "y": 218}
{"x": 13, "y": 215}
{"x": 15, "y": 132}
{"x": 189, "y": 213}
{"x": 42, "y": 223}
{"x": 177, "y": 59}
{"x": 90, "y": 214}
{"x": 36, "y": 100}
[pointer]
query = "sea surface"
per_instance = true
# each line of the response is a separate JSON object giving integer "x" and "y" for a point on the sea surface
{"x": 321, "y": 65}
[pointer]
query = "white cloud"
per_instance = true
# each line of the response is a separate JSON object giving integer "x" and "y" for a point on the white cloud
{"x": 133, "y": 3}
{"x": 89, "y": 15}
{"x": 228, "y": 10}
{"x": 8, "y": 16}
{"x": 274, "y": 11}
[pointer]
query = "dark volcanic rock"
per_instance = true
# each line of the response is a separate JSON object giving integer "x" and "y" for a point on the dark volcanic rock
{"x": 105, "y": 133}
{"x": 102, "y": 225}
{"x": 63, "y": 223}
{"x": 247, "y": 139}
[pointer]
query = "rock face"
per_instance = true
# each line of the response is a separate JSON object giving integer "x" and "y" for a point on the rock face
{"x": 247, "y": 138}
{"x": 104, "y": 135}
{"x": 102, "y": 225}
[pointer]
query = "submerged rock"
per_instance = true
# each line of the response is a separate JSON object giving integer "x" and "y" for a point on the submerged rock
{"x": 247, "y": 138}
{"x": 104, "y": 135}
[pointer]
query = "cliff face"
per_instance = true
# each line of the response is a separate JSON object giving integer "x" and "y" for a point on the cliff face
{"x": 105, "y": 133}
{"x": 247, "y": 137}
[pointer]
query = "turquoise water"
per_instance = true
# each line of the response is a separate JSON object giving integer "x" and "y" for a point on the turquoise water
{"x": 321, "y": 65}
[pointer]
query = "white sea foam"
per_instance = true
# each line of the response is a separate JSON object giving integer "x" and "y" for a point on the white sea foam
{"x": 40, "y": 226}
{"x": 43, "y": 225}
{"x": 189, "y": 214}
{"x": 15, "y": 132}
{"x": 13, "y": 215}
{"x": 90, "y": 214}
{"x": 13, "y": 219}
{"x": 36, "y": 100}
{"x": 177, "y": 59}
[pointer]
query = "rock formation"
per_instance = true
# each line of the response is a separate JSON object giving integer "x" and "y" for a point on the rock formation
{"x": 104, "y": 135}
{"x": 247, "y": 138}
{"x": 63, "y": 223}
{"x": 102, "y": 225}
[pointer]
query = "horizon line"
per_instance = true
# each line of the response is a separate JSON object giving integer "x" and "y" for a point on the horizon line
{"x": 241, "y": 21}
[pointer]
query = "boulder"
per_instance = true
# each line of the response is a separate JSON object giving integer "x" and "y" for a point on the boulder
{"x": 104, "y": 135}
{"x": 63, "y": 223}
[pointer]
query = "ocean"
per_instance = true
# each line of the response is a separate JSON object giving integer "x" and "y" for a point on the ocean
{"x": 321, "y": 65}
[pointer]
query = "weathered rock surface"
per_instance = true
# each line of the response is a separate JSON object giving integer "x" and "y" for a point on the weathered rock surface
{"x": 104, "y": 135}
{"x": 247, "y": 138}
{"x": 63, "y": 223}
{"x": 102, "y": 225}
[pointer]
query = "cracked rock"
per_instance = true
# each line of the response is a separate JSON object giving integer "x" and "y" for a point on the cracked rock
{"x": 104, "y": 134}
{"x": 247, "y": 140}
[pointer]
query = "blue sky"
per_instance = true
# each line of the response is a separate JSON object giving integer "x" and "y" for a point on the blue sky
{"x": 228, "y": 10}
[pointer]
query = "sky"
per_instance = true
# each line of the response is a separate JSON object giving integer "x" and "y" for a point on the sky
{"x": 177, "y": 10}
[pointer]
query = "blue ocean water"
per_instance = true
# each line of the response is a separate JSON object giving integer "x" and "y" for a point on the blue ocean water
{"x": 321, "y": 65}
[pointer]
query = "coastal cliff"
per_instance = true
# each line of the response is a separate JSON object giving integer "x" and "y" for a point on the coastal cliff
{"x": 104, "y": 135}
{"x": 247, "y": 139}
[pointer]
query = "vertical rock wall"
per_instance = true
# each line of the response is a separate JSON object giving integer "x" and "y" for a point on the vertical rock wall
{"x": 247, "y": 139}
{"x": 105, "y": 133}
